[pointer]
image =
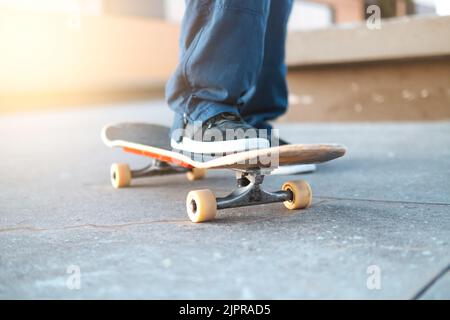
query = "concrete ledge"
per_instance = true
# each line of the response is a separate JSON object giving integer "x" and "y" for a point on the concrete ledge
{"x": 412, "y": 90}
{"x": 403, "y": 38}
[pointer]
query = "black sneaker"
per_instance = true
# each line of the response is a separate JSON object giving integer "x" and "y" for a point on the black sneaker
{"x": 282, "y": 142}
{"x": 221, "y": 134}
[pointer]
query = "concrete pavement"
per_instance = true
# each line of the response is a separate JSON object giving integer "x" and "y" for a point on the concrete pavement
{"x": 380, "y": 211}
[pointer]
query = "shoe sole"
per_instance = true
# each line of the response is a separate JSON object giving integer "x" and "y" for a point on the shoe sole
{"x": 218, "y": 147}
{"x": 294, "y": 169}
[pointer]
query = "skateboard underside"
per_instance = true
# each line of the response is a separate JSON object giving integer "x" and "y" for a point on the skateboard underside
{"x": 251, "y": 166}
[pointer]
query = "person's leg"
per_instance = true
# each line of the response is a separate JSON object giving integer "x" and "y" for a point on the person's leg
{"x": 222, "y": 46}
{"x": 270, "y": 100}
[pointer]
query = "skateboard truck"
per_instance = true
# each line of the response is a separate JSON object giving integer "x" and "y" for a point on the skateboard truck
{"x": 157, "y": 168}
{"x": 121, "y": 174}
{"x": 250, "y": 192}
{"x": 202, "y": 205}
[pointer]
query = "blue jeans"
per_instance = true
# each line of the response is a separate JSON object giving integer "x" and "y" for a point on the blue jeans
{"x": 231, "y": 60}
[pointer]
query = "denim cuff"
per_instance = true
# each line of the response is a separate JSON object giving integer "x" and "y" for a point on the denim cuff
{"x": 203, "y": 110}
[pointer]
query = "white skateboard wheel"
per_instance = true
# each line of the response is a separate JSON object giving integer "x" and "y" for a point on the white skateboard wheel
{"x": 301, "y": 194}
{"x": 196, "y": 174}
{"x": 201, "y": 205}
{"x": 120, "y": 175}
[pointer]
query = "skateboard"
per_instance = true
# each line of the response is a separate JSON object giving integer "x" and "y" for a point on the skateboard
{"x": 153, "y": 141}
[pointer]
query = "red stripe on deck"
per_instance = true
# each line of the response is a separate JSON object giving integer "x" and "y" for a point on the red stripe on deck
{"x": 157, "y": 156}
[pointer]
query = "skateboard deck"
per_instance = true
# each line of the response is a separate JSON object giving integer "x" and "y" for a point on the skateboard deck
{"x": 153, "y": 141}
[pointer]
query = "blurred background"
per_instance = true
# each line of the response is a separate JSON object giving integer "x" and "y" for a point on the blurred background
{"x": 343, "y": 66}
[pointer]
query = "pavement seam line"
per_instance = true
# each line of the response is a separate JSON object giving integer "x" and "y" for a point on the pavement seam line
{"x": 430, "y": 283}
{"x": 88, "y": 225}
{"x": 124, "y": 225}
{"x": 386, "y": 201}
